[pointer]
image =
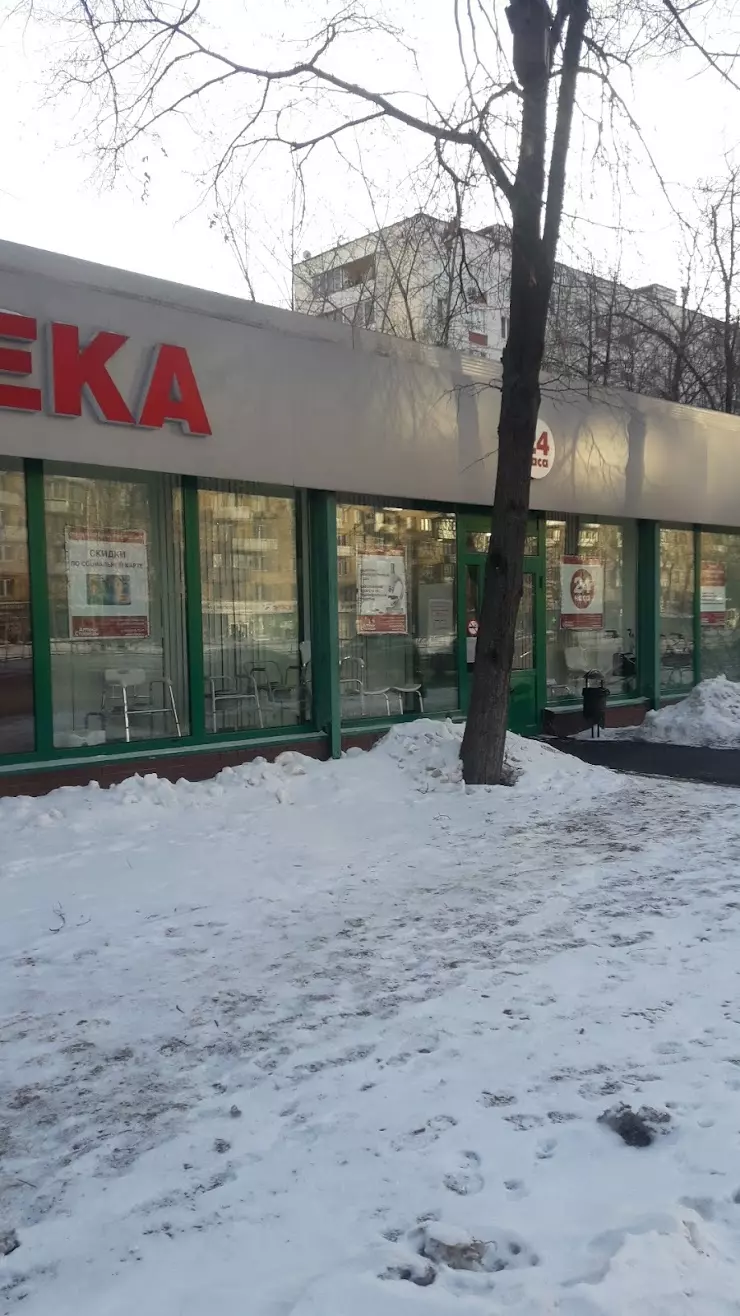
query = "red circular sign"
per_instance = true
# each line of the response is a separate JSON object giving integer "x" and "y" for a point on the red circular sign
{"x": 472, "y": 628}
{"x": 582, "y": 588}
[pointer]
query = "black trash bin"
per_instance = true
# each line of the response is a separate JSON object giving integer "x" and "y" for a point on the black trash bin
{"x": 594, "y": 701}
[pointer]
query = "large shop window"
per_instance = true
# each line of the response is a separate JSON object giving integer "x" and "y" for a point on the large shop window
{"x": 397, "y": 634}
{"x": 116, "y": 596}
{"x": 719, "y": 602}
{"x": 676, "y": 610}
{"x": 591, "y": 605}
{"x": 16, "y": 675}
{"x": 257, "y": 672}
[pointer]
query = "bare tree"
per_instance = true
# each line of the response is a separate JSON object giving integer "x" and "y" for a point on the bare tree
{"x": 680, "y": 347}
{"x": 721, "y": 214}
{"x": 143, "y": 62}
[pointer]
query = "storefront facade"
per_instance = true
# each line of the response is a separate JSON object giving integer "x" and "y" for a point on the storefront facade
{"x": 226, "y": 529}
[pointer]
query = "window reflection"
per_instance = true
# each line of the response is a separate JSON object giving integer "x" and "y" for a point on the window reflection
{"x": 16, "y": 675}
{"x": 676, "y": 609}
{"x": 256, "y": 673}
{"x": 597, "y": 634}
{"x": 116, "y": 599}
{"x": 720, "y": 605}
{"x": 397, "y": 632}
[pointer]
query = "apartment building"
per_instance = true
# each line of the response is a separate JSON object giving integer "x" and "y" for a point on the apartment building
{"x": 448, "y": 286}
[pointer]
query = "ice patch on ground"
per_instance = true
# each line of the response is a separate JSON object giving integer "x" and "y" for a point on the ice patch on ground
{"x": 709, "y": 716}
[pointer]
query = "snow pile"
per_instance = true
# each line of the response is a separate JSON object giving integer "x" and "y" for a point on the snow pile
{"x": 429, "y": 753}
{"x": 709, "y": 716}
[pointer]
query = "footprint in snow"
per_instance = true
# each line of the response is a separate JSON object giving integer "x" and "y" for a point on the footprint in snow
{"x": 524, "y": 1122}
{"x": 516, "y": 1187}
{"x": 426, "y": 1134}
{"x": 467, "y": 1180}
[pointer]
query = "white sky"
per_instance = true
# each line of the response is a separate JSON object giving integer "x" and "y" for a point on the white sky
{"x": 49, "y": 196}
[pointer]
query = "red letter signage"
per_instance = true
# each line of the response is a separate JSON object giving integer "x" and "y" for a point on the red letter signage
{"x": 75, "y": 368}
{"x": 78, "y": 372}
{"x": 18, "y": 361}
{"x": 173, "y": 394}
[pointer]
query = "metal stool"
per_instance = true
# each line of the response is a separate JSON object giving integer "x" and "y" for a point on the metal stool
{"x": 222, "y": 691}
{"x": 403, "y": 690}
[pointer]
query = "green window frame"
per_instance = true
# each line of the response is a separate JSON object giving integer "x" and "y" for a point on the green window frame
{"x": 315, "y": 544}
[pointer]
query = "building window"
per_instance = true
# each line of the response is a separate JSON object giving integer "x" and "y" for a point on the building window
{"x": 355, "y": 274}
{"x": 16, "y": 673}
{"x": 591, "y": 597}
{"x": 676, "y": 610}
{"x": 719, "y": 605}
{"x": 476, "y": 295}
{"x": 397, "y": 631}
{"x": 358, "y": 272}
{"x": 116, "y": 599}
{"x": 254, "y": 673}
{"x": 504, "y": 326}
{"x": 328, "y": 282}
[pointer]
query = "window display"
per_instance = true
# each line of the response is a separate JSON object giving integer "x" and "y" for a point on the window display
{"x": 397, "y": 629}
{"x": 591, "y": 594}
{"x": 676, "y": 610}
{"x": 116, "y": 601}
{"x": 719, "y": 600}
{"x": 255, "y": 673}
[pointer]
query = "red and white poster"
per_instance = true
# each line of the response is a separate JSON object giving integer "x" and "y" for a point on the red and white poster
{"x": 382, "y": 605}
{"x": 713, "y": 594}
{"x": 581, "y": 594}
{"x": 107, "y": 584}
{"x": 543, "y": 454}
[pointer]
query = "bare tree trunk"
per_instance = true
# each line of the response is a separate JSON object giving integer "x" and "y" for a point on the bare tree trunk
{"x": 484, "y": 741}
{"x": 533, "y": 251}
{"x": 485, "y": 733}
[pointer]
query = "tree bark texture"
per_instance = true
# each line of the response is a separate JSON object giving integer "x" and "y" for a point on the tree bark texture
{"x": 484, "y": 741}
{"x": 532, "y": 267}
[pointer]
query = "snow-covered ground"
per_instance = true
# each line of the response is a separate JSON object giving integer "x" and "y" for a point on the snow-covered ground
{"x": 268, "y": 1038}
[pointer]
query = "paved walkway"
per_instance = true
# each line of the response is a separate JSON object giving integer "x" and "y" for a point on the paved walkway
{"x": 721, "y": 767}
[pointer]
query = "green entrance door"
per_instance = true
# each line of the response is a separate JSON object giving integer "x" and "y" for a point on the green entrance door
{"x": 524, "y": 701}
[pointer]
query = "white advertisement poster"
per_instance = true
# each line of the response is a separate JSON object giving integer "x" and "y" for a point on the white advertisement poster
{"x": 440, "y": 620}
{"x": 713, "y": 594}
{"x": 581, "y": 594}
{"x": 382, "y": 605}
{"x": 107, "y": 584}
